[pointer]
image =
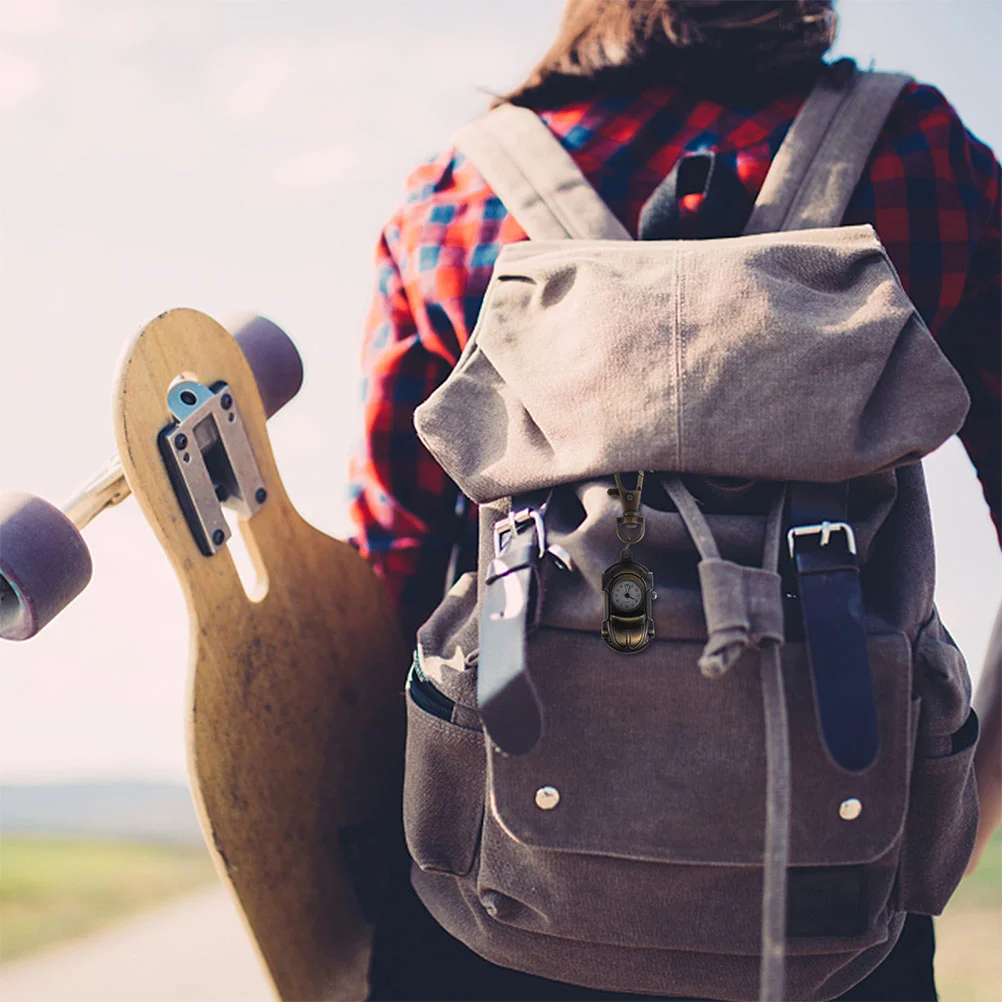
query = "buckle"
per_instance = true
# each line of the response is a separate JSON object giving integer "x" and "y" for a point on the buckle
{"x": 512, "y": 522}
{"x": 824, "y": 530}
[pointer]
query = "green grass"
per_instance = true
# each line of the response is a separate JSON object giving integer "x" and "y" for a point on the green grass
{"x": 968, "y": 934}
{"x": 54, "y": 889}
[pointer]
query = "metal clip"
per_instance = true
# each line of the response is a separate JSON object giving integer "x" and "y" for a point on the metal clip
{"x": 629, "y": 522}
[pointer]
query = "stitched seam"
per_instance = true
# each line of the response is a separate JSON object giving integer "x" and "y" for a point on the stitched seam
{"x": 855, "y": 94}
{"x": 546, "y": 194}
{"x": 678, "y": 351}
{"x": 801, "y": 193}
{"x": 781, "y": 168}
{"x": 484, "y": 141}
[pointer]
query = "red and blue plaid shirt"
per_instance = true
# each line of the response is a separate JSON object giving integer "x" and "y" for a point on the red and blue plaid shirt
{"x": 932, "y": 191}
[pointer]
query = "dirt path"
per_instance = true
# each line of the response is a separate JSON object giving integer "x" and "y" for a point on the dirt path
{"x": 192, "y": 950}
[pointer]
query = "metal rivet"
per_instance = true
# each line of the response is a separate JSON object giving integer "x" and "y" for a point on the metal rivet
{"x": 547, "y": 797}
{"x": 180, "y": 442}
{"x": 850, "y": 809}
{"x": 226, "y": 401}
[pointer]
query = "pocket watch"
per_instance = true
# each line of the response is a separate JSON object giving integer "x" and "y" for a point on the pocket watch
{"x": 629, "y": 616}
{"x": 628, "y": 586}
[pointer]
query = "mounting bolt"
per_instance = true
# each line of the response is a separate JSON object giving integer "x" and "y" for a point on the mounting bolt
{"x": 260, "y": 495}
{"x": 218, "y": 537}
{"x": 181, "y": 442}
{"x": 226, "y": 401}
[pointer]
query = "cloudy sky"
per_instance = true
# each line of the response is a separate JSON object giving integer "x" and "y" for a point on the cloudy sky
{"x": 236, "y": 156}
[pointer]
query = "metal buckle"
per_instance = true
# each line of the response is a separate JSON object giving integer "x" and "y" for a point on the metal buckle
{"x": 824, "y": 530}
{"x": 511, "y": 523}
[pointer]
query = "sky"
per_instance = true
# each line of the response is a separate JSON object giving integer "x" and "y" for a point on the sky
{"x": 243, "y": 156}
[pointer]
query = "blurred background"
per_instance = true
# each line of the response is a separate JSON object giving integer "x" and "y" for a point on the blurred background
{"x": 243, "y": 156}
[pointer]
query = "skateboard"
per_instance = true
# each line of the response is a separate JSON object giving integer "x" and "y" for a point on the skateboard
{"x": 294, "y": 699}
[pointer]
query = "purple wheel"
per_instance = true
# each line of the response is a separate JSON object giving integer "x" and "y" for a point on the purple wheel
{"x": 44, "y": 564}
{"x": 274, "y": 360}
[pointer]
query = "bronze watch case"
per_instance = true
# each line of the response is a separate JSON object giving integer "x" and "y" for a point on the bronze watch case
{"x": 628, "y": 630}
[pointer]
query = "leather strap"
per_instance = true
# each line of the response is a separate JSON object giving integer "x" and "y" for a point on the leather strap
{"x": 825, "y": 151}
{"x": 507, "y": 700}
{"x": 535, "y": 177}
{"x": 831, "y": 603}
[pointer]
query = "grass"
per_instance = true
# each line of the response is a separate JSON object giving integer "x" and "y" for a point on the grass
{"x": 54, "y": 889}
{"x": 969, "y": 935}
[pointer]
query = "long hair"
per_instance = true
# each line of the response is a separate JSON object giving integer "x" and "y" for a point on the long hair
{"x": 716, "y": 46}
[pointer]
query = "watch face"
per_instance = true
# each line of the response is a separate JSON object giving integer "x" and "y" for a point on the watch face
{"x": 626, "y": 595}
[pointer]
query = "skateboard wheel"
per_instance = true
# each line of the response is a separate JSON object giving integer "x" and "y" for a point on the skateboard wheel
{"x": 44, "y": 564}
{"x": 274, "y": 360}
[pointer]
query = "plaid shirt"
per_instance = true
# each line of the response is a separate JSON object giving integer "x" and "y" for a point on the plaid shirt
{"x": 932, "y": 191}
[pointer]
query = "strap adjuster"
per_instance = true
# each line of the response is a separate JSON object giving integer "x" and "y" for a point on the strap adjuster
{"x": 824, "y": 530}
{"x": 512, "y": 522}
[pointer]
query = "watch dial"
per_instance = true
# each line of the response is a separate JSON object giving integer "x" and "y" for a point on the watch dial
{"x": 626, "y": 595}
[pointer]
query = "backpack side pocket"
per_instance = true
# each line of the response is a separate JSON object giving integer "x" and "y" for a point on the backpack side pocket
{"x": 444, "y": 783}
{"x": 943, "y": 804}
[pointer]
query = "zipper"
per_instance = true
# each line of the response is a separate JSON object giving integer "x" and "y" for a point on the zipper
{"x": 425, "y": 695}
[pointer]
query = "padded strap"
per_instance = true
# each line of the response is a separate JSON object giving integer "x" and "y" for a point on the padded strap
{"x": 535, "y": 177}
{"x": 831, "y": 602}
{"x": 822, "y": 158}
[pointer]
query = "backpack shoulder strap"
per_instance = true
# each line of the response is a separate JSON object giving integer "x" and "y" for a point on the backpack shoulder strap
{"x": 535, "y": 177}
{"x": 822, "y": 157}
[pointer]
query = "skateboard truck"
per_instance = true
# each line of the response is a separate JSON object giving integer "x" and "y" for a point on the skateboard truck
{"x": 210, "y": 461}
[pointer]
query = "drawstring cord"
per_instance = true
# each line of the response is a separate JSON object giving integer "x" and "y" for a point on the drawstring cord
{"x": 743, "y": 607}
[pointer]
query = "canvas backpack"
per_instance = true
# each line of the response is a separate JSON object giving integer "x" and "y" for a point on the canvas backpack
{"x": 749, "y": 804}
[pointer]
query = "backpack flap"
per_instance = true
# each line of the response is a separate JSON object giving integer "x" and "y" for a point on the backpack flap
{"x": 780, "y": 356}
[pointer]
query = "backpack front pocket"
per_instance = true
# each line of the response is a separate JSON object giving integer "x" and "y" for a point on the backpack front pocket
{"x": 443, "y": 783}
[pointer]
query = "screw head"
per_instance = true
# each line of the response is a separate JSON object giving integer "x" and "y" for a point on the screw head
{"x": 547, "y": 797}
{"x": 850, "y": 809}
{"x": 218, "y": 537}
{"x": 260, "y": 495}
{"x": 226, "y": 401}
{"x": 180, "y": 441}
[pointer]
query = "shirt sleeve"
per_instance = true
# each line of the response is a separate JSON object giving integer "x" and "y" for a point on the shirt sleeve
{"x": 972, "y": 339}
{"x": 402, "y": 504}
{"x": 933, "y": 197}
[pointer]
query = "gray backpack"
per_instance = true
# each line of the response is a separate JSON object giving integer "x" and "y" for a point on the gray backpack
{"x": 750, "y": 801}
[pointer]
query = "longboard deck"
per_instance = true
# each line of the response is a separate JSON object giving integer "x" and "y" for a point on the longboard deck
{"x": 295, "y": 716}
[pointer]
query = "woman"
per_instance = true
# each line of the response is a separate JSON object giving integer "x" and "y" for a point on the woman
{"x": 628, "y": 88}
